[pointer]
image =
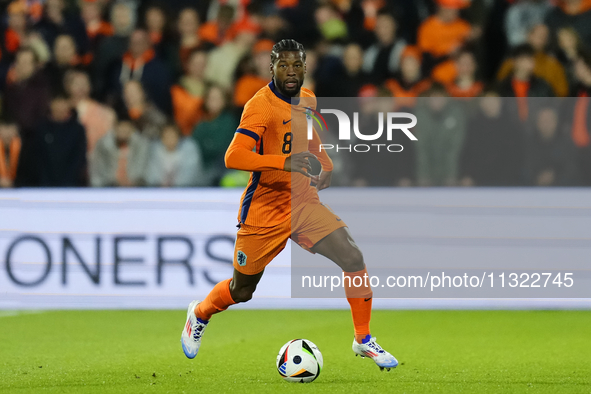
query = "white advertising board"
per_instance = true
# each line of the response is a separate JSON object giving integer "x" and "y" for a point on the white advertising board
{"x": 150, "y": 249}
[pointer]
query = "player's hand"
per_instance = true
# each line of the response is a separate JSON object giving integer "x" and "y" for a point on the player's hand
{"x": 323, "y": 180}
{"x": 299, "y": 162}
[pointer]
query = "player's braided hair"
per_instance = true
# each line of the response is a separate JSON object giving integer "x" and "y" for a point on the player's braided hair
{"x": 287, "y": 45}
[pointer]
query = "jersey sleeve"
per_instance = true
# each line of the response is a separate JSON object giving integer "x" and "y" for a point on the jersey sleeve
{"x": 240, "y": 154}
{"x": 255, "y": 117}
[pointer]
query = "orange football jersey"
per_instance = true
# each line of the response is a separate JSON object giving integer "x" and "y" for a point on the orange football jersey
{"x": 274, "y": 129}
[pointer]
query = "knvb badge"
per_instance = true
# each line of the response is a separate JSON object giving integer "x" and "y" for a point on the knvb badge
{"x": 313, "y": 116}
{"x": 241, "y": 258}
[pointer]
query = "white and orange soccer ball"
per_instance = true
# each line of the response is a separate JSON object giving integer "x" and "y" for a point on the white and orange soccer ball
{"x": 299, "y": 360}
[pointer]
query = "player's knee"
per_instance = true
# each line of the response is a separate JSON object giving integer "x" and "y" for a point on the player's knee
{"x": 242, "y": 294}
{"x": 352, "y": 260}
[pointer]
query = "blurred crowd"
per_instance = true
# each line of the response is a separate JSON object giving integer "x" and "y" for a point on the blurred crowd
{"x": 147, "y": 93}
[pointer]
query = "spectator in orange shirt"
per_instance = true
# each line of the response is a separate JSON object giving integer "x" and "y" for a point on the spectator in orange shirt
{"x": 96, "y": 27}
{"x": 546, "y": 65}
{"x": 250, "y": 83}
{"x": 15, "y": 32}
{"x": 157, "y": 25}
{"x": 250, "y": 18}
{"x": 281, "y": 4}
{"x": 465, "y": 83}
{"x": 409, "y": 83}
{"x": 187, "y": 94}
{"x": 220, "y": 30}
{"x": 445, "y": 32}
{"x": 140, "y": 63}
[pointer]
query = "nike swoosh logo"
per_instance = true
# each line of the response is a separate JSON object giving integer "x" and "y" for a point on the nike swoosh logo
{"x": 286, "y": 121}
{"x": 367, "y": 299}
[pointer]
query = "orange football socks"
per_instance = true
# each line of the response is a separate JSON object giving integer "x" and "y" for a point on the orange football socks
{"x": 359, "y": 295}
{"x": 218, "y": 300}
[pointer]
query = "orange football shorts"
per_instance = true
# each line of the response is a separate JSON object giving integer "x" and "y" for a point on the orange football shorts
{"x": 256, "y": 246}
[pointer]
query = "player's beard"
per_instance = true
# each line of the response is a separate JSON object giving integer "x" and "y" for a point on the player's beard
{"x": 293, "y": 91}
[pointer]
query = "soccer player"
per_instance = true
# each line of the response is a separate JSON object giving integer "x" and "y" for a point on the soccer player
{"x": 280, "y": 203}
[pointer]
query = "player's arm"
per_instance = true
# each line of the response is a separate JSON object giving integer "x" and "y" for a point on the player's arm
{"x": 240, "y": 155}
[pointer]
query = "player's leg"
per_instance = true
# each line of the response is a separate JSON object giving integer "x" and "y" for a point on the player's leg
{"x": 254, "y": 249}
{"x": 340, "y": 247}
{"x": 318, "y": 229}
{"x": 224, "y": 294}
{"x": 243, "y": 286}
{"x": 228, "y": 292}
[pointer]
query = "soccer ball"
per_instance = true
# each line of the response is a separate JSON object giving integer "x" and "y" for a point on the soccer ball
{"x": 299, "y": 360}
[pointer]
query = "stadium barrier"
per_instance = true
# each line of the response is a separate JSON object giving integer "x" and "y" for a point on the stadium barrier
{"x": 161, "y": 248}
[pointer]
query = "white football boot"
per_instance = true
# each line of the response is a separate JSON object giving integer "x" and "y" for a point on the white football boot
{"x": 192, "y": 332}
{"x": 370, "y": 348}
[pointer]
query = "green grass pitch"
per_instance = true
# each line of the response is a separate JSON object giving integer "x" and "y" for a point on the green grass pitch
{"x": 438, "y": 351}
